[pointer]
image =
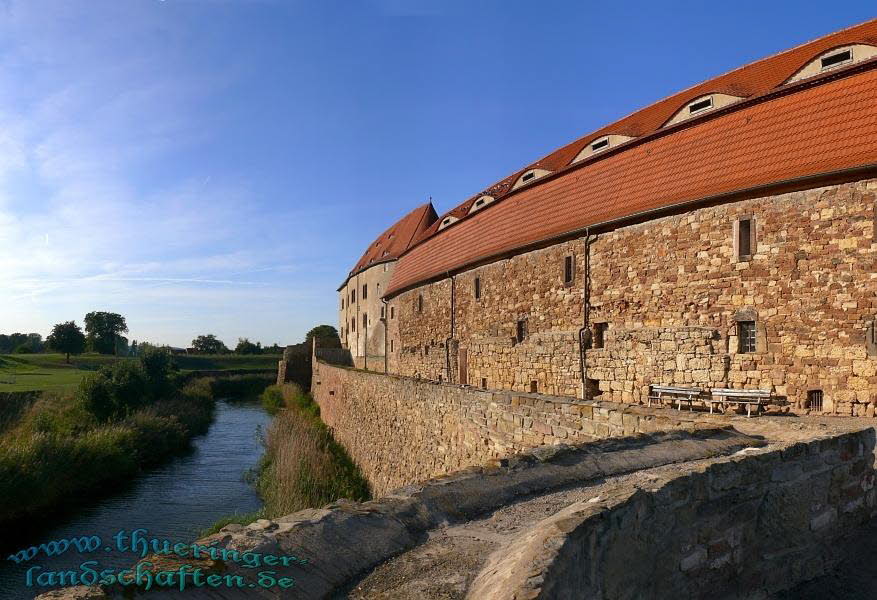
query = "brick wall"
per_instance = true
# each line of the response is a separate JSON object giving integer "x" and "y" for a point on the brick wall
{"x": 810, "y": 286}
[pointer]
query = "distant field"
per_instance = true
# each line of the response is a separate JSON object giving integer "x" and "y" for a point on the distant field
{"x": 49, "y": 372}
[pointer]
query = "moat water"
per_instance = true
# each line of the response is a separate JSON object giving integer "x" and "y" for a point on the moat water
{"x": 175, "y": 501}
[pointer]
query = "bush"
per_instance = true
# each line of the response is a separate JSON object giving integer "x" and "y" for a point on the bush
{"x": 129, "y": 386}
{"x": 272, "y": 400}
{"x": 156, "y": 435}
{"x": 114, "y": 392}
{"x": 95, "y": 394}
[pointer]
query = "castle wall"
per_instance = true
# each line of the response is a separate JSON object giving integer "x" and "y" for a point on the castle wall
{"x": 401, "y": 430}
{"x": 670, "y": 292}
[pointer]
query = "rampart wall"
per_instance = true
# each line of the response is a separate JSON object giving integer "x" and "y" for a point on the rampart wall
{"x": 742, "y": 526}
{"x": 401, "y": 430}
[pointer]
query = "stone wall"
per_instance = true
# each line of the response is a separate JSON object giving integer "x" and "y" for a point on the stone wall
{"x": 295, "y": 366}
{"x": 634, "y": 359}
{"x": 743, "y": 526}
{"x": 810, "y": 286}
{"x": 401, "y": 430}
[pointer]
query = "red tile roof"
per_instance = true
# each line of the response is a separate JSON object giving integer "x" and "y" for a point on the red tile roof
{"x": 780, "y": 132}
{"x": 398, "y": 238}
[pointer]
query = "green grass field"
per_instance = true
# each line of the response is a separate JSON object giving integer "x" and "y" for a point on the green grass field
{"x": 49, "y": 372}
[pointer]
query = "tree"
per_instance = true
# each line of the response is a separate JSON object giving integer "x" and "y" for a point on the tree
{"x": 327, "y": 336}
{"x": 68, "y": 338}
{"x": 208, "y": 344}
{"x": 245, "y": 346}
{"x": 102, "y": 328}
{"x": 158, "y": 365}
{"x": 21, "y": 343}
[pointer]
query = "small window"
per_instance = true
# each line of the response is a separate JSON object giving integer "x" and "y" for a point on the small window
{"x": 745, "y": 336}
{"x": 392, "y": 312}
{"x": 426, "y": 349}
{"x": 446, "y": 221}
{"x": 353, "y": 324}
{"x": 814, "y": 400}
{"x": 352, "y": 296}
{"x": 600, "y": 334}
{"x": 521, "y": 332}
{"x": 600, "y": 145}
{"x": 382, "y": 312}
{"x": 391, "y": 345}
{"x": 484, "y": 383}
{"x": 479, "y": 203}
{"x": 528, "y": 176}
{"x": 838, "y": 58}
{"x": 568, "y": 272}
{"x": 365, "y": 319}
{"x": 420, "y": 303}
{"x": 744, "y": 239}
{"x": 342, "y": 303}
{"x": 477, "y": 288}
{"x": 534, "y": 387}
{"x": 700, "y": 105}
{"x": 364, "y": 291}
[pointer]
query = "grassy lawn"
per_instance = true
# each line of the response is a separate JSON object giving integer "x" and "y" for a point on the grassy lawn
{"x": 49, "y": 372}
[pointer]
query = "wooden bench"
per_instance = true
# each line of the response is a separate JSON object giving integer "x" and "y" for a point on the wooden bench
{"x": 757, "y": 398}
{"x": 679, "y": 394}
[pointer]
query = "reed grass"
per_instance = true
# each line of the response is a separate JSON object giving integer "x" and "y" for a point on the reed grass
{"x": 303, "y": 465}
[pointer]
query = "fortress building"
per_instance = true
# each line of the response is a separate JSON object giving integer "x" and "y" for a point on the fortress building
{"x": 725, "y": 236}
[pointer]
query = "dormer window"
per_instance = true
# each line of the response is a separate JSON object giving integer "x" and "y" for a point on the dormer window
{"x": 836, "y": 59}
{"x": 700, "y": 105}
{"x": 480, "y": 203}
{"x": 600, "y": 144}
{"x": 530, "y": 176}
{"x": 832, "y": 59}
{"x": 447, "y": 221}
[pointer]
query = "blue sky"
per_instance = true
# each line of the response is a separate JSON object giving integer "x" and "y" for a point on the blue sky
{"x": 217, "y": 166}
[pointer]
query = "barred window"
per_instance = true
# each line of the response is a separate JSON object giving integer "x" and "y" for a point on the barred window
{"x": 746, "y": 336}
{"x": 814, "y": 400}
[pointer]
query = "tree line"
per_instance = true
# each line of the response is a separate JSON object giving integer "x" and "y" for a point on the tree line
{"x": 104, "y": 331}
